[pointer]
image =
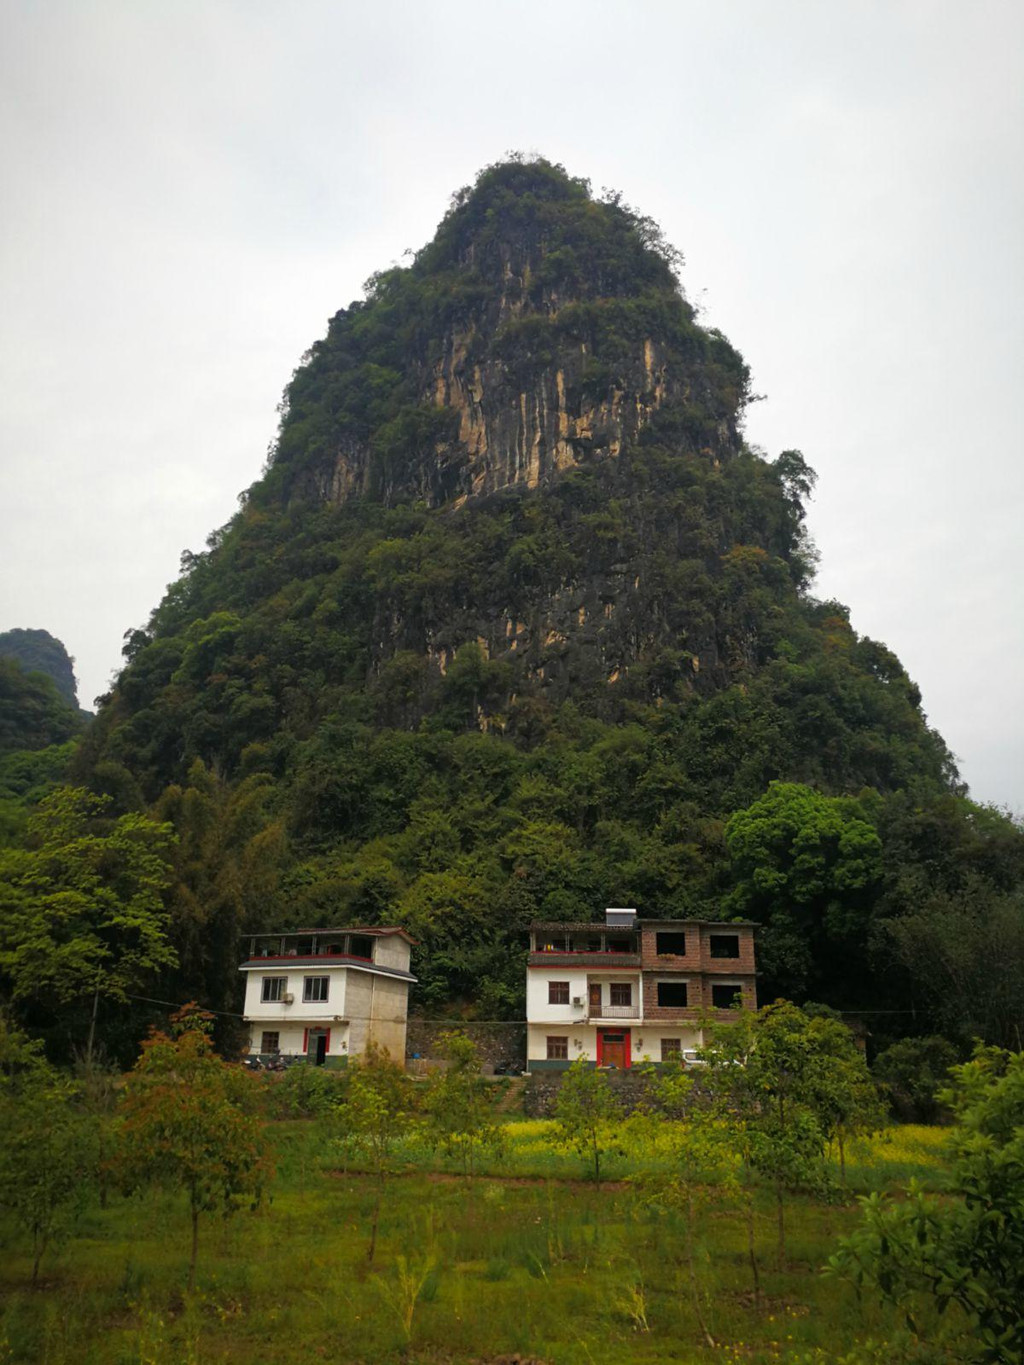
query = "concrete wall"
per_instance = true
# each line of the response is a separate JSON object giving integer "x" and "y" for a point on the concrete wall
{"x": 391, "y": 950}
{"x": 389, "y": 1002}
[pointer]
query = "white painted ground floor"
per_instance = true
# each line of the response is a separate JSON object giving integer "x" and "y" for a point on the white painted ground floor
{"x": 554, "y": 1046}
{"x": 323, "y": 1041}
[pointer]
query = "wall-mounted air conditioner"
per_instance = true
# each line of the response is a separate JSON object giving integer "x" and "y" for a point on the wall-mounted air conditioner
{"x": 577, "y": 1001}
{"x": 288, "y": 998}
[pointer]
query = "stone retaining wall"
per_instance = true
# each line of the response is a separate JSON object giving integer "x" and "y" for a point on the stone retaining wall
{"x": 501, "y": 1045}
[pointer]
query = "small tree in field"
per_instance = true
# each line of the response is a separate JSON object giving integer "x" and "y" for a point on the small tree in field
{"x": 584, "y": 1113}
{"x": 787, "y": 1080}
{"x": 967, "y": 1246}
{"x": 703, "y": 1167}
{"x": 375, "y": 1115}
{"x": 187, "y": 1122}
{"x": 459, "y": 1105}
{"x": 46, "y": 1146}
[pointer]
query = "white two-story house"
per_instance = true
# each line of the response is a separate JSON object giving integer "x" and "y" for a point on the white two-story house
{"x": 327, "y": 994}
{"x": 632, "y": 990}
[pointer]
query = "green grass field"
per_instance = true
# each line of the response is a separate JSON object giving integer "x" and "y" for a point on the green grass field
{"x": 538, "y": 1263}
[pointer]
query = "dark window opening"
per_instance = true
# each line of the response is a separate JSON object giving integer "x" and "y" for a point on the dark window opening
{"x": 672, "y": 994}
{"x": 670, "y": 944}
{"x": 558, "y": 1049}
{"x": 725, "y": 997}
{"x": 620, "y": 993}
{"x": 558, "y": 992}
{"x": 315, "y": 988}
{"x": 725, "y": 945}
{"x": 361, "y": 947}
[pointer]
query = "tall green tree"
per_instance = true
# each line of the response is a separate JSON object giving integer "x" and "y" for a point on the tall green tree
{"x": 808, "y": 867}
{"x": 82, "y": 913}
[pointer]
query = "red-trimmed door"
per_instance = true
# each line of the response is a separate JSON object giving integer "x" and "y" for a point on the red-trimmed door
{"x": 613, "y": 1048}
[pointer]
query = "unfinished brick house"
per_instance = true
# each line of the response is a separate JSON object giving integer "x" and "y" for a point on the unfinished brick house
{"x": 630, "y": 990}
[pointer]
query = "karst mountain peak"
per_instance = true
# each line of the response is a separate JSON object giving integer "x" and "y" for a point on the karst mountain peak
{"x": 541, "y": 329}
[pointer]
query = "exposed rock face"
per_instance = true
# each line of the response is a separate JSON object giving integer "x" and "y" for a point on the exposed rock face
{"x": 523, "y": 364}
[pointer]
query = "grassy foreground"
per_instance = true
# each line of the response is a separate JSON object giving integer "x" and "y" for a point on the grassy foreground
{"x": 536, "y": 1263}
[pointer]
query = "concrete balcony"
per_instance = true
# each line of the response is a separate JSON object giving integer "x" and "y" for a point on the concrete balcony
{"x": 616, "y": 1012}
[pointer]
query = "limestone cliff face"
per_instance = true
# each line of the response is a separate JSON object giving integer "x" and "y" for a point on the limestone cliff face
{"x": 505, "y": 356}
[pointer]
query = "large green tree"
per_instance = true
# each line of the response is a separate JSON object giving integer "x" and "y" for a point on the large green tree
{"x": 808, "y": 866}
{"x": 82, "y": 913}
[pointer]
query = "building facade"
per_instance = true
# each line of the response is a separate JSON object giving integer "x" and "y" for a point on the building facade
{"x": 630, "y": 990}
{"x": 327, "y": 994}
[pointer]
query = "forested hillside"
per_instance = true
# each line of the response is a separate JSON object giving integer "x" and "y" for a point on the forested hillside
{"x": 515, "y": 625}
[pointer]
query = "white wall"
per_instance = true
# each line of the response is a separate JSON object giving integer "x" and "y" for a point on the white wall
{"x": 291, "y": 1036}
{"x": 268, "y": 1011}
{"x": 537, "y": 1007}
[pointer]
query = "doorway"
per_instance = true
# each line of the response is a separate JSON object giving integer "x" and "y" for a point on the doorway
{"x": 615, "y": 1050}
{"x": 316, "y": 1048}
{"x": 594, "y": 1008}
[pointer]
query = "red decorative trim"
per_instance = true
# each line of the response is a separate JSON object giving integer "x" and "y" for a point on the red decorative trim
{"x": 600, "y": 1047}
{"x": 591, "y": 966}
{"x": 327, "y": 1046}
{"x": 305, "y": 1041}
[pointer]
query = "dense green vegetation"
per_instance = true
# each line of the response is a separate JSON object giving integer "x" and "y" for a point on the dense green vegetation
{"x": 613, "y": 687}
{"x": 384, "y": 1239}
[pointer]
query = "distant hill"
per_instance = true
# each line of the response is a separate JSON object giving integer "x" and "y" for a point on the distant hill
{"x": 33, "y": 714}
{"x": 40, "y": 652}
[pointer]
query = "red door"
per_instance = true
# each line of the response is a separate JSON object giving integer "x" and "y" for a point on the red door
{"x": 614, "y": 1050}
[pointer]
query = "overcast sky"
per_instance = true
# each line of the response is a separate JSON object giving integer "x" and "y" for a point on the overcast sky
{"x": 192, "y": 189}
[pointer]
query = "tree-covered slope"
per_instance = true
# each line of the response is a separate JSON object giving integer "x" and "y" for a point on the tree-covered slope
{"x": 511, "y": 625}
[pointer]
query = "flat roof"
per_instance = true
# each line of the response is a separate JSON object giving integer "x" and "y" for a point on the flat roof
{"x": 599, "y": 926}
{"x": 366, "y": 930}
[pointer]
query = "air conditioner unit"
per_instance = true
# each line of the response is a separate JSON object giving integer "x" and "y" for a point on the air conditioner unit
{"x": 288, "y": 998}
{"x": 577, "y": 1001}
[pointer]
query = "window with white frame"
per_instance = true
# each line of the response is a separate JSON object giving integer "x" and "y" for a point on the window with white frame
{"x": 315, "y": 988}
{"x": 273, "y": 989}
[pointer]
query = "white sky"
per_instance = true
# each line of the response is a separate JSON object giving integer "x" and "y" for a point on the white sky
{"x": 192, "y": 187}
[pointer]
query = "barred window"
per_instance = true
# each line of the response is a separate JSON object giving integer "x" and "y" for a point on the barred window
{"x": 270, "y": 1042}
{"x": 621, "y": 993}
{"x": 558, "y": 992}
{"x": 671, "y": 1049}
{"x": 558, "y": 1049}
